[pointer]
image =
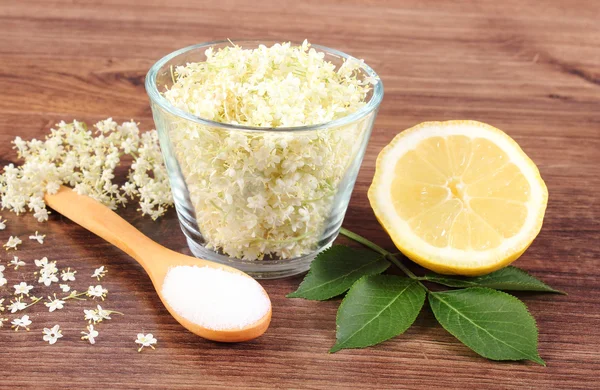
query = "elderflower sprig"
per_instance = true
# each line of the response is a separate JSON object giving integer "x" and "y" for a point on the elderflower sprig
{"x": 147, "y": 340}
{"x": 74, "y": 156}
{"x": 99, "y": 314}
{"x": 75, "y": 295}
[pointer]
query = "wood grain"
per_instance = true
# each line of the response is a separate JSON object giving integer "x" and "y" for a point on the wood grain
{"x": 530, "y": 68}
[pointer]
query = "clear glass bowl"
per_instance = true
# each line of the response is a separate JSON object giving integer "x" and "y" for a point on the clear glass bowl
{"x": 263, "y": 200}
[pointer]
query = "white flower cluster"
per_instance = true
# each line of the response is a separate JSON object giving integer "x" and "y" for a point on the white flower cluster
{"x": 265, "y": 194}
{"x": 278, "y": 86}
{"x": 85, "y": 160}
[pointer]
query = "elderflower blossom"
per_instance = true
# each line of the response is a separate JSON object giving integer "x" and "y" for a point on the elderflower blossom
{"x": 266, "y": 194}
{"x": 3, "y": 280}
{"x": 2, "y": 321}
{"x": 99, "y": 273}
{"x": 48, "y": 271}
{"x": 54, "y": 304}
{"x": 1, "y": 304}
{"x": 97, "y": 292}
{"x": 64, "y": 287}
{"x": 22, "y": 288}
{"x": 51, "y": 335}
{"x": 16, "y": 263}
{"x": 16, "y": 305}
{"x": 12, "y": 243}
{"x": 2, "y": 224}
{"x": 67, "y": 275}
{"x": 147, "y": 340}
{"x": 99, "y": 314}
{"x": 38, "y": 237}
{"x": 92, "y": 316}
{"x": 90, "y": 335}
{"x": 22, "y": 322}
{"x": 85, "y": 159}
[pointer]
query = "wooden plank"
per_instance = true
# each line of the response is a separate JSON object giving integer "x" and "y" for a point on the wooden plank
{"x": 530, "y": 68}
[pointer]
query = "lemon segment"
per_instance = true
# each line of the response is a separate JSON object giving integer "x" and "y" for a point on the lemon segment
{"x": 458, "y": 197}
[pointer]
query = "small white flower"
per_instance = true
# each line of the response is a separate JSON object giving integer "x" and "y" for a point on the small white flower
{"x": 12, "y": 243}
{"x": 97, "y": 292}
{"x": 103, "y": 314}
{"x": 15, "y": 262}
{"x": 41, "y": 262}
{"x": 64, "y": 287}
{"x": 68, "y": 275}
{"x": 22, "y": 288}
{"x": 3, "y": 280}
{"x": 2, "y": 321}
{"x": 51, "y": 335}
{"x": 49, "y": 268}
{"x": 41, "y": 214}
{"x": 90, "y": 335}
{"x": 16, "y": 305}
{"x": 47, "y": 279}
{"x": 92, "y": 316}
{"x": 38, "y": 237}
{"x": 1, "y": 304}
{"x": 145, "y": 341}
{"x": 22, "y": 322}
{"x": 54, "y": 304}
{"x": 99, "y": 273}
{"x": 2, "y": 224}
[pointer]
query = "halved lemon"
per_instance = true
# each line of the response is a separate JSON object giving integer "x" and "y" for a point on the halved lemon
{"x": 458, "y": 197}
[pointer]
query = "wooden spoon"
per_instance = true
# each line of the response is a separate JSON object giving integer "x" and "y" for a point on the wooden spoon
{"x": 155, "y": 258}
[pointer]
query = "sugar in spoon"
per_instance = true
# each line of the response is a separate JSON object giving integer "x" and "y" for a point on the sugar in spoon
{"x": 156, "y": 261}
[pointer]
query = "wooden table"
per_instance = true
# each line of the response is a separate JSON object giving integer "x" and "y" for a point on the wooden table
{"x": 530, "y": 68}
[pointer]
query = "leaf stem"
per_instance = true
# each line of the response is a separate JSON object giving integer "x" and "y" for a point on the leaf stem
{"x": 388, "y": 255}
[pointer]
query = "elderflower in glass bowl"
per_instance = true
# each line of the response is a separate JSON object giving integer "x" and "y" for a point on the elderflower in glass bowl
{"x": 262, "y": 142}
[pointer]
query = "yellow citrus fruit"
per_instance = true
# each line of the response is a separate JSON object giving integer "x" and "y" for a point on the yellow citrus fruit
{"x": 458, "y": 197}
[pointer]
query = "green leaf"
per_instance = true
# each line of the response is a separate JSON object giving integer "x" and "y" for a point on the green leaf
{"x": 492, "y": 323}
{"x": 509, "y": 278}
{"x": 377, "y": 308}
{"x": 336, "y": 269}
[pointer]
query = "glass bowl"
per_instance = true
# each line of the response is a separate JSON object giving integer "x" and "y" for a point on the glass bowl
{"x": 263, "y": 200}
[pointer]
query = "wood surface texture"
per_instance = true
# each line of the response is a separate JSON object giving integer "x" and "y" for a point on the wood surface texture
{"x": 531, "y": 68}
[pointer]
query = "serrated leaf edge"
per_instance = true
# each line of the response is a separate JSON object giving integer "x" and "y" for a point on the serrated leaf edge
{"x": 296, "y": 293}
{"x": 536, "y": 359}
{"x": 474, "y": 284}
{"x": 334, "y": 349}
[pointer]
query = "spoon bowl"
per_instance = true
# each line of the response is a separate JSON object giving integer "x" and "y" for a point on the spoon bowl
{"x": 153, "y": 257}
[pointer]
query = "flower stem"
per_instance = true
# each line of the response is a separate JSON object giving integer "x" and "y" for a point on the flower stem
{"x": 74, "y": 296}
{"x": 388, "y": 255}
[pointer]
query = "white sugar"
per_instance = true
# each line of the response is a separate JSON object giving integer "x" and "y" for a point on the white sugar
{"x": 214, "y": 298}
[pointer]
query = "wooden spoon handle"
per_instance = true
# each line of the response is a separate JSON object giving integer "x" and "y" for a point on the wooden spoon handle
{"x": 103, "y": 222}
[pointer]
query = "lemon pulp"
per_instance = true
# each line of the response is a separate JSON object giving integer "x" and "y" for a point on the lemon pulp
{"x": 458, "y": 197}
